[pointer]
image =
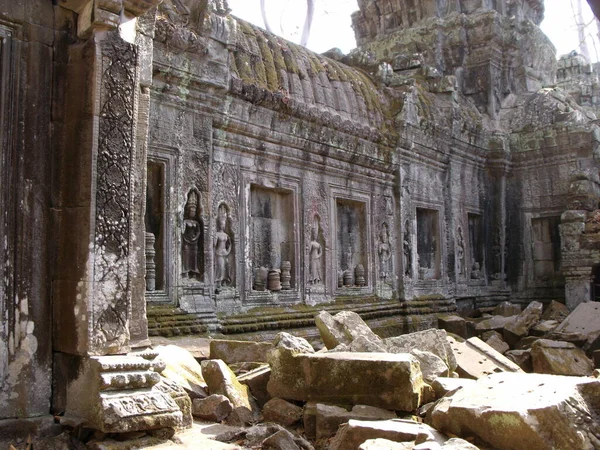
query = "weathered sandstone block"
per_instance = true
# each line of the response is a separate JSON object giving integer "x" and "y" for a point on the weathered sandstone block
{"x": 221, "y": 380}
{"x": 182, "y": 368}
{"x": 432, "y": 340}
{"x": 328, "y": 418}
{"x": 476, "y": 359}
{"x": 559, "y": 358}
{"x": 215, "y": 408}
{"x": 518, "y": 329}
{"x": 343, "y": 328}
{"x": 524, "y": 411}
{"x": 282, "y": 412}
{"x": 390, "y": 381}
{"x": 239, "y": 351}
{"x": 355, "y": 432}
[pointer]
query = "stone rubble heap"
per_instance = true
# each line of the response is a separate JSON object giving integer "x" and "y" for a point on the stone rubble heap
{"x": 432, "y": 389}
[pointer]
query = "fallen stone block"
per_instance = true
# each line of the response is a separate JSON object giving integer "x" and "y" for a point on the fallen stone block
{"x": 496, "y": 342}
{"x": 328, "y": 418}
{"x": 458, "y": 444}
{"x": 526, "y": 342}
{"x": 351, "y": 435}
{"x": 544, "y": 327}
{"x": 494, "y": 323}
{"x": 182, "y": 367}
{"x": 556, "y": 311}
{"x": 432, "y": 340}
{"x": 181, "y": 398}
{"x": 385, "y": 444}
{"x": 390, "y": 381}
{"x": 213, "y": 408}
{"x": 431, "y": 365}
{"x": 239, "y": 351}
{"x": 507, "y": 309}
{"x": 476, "y": 359}
{"x": 257, "y": 380}
{"x": 309, "y": 419}
{"x": 521, "y": 358}
{"x": 256, "y": 436}
{"x": 443, "y": 385}
{"x": 524, "y": 412}
{"x": 282, "y": 412}
{"x": 343, "y": 328}
{"x": 281, "y": 440}
{"x": 453, "y": 324}
{"x": 221, "y": 380}
{"x": 331, "y": 331}
{"x": 559, "y": 358}
{"x": 519, "y": 328}
{"x": 585, "y": 320}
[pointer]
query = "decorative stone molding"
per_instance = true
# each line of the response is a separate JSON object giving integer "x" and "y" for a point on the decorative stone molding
{"x": 118, "y": 394}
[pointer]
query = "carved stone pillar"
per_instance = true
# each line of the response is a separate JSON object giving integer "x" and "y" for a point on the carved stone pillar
{"x": 575, "y": 260}
{"x": 98, "y": 293}
{"x": 578, "y": 286}
{"x": 498, "y": 165}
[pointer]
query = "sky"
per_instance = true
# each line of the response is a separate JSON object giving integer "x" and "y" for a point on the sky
{"x": 332, "y": 23}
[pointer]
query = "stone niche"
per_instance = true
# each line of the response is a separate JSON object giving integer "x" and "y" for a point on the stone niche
{"x": 272, "y": 238}
{"x": 351, "y": 244}
{"x": 154, "y": 223}
{"x": 428, "y": 244}
{"x": 476, "y": 261}
{"x": 545, "y": 248}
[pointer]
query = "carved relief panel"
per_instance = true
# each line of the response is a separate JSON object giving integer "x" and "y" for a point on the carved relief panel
{"x": 316, "y": 232}
{"x": 226, "y": 233}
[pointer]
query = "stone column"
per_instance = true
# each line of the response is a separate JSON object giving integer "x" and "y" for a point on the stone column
{"x": 575, "y": 260}
{"x": 578, "y": 286}
{"x": 498, "y": 165}
{"x": 98, "y": 293}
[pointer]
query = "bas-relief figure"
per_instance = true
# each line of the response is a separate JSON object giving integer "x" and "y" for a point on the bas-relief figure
{"x": 222, "y": 246}
{"x": 385, "y": 253}
{"x": 460, "y": 253}
{"x": 190, "y": 236}
{"x": 315, "y": 254}
{"x": 407, "y": 250}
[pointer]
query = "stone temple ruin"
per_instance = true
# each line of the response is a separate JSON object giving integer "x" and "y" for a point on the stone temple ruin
{"x": 166, "y": 159}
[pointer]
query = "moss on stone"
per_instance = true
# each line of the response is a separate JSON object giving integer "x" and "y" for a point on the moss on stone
{"x": 242, "y": 63}
{"x": 271, "y": 71}
{"x": 316, "y": 66}
{"x": 296, "y": 55}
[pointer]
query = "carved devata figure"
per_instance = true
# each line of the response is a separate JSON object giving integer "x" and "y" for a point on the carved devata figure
{"x": 315, "y": 252}
{"x": 191, "y": 242}
{"x": 460, "y": 252}
{"x": 223, "y": 246}
{"x": 406, "y": 250}
{"x": 385, "y": 253}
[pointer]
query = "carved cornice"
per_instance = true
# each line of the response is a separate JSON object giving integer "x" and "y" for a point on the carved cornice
{"x": 97, "y": 15}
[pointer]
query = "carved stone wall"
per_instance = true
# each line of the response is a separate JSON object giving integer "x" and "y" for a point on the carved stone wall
{"x": 27, "y": 36}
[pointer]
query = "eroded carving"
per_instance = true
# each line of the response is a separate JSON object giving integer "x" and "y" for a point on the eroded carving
{"x": 407, "y": 250}
{"x": 460, "y": 252}
{"x": 113, "y": 192}
{"x": 191, "y": 242}
{"x": 223, "y": 245}
{"x": 385, "y": 253}
{"x": 315, "y": 254}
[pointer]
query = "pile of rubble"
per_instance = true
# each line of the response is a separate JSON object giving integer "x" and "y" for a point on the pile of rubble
{"x": 433, "y": 389}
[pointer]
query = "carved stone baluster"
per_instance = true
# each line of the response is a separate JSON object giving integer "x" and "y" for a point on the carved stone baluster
{"x": 150, "y": 264}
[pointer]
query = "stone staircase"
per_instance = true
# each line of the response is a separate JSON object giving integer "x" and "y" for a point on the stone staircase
{"x": 165, "y": 319}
